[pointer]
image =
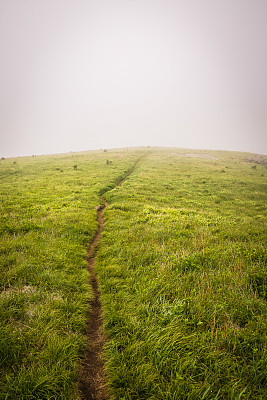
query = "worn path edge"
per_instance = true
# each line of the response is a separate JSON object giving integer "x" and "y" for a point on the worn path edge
{"x": 92, "y": 377}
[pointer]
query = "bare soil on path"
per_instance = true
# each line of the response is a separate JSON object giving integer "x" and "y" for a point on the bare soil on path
{"x": 93, "y": 380}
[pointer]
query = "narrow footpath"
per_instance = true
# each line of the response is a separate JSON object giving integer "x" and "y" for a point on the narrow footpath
{"x": 93, "y": 382}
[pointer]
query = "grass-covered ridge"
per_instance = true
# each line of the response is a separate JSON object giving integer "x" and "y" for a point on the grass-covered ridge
{"x": 48, "y": 218}
{"x": 181, "y": 265}
{"x": 182, "y": 268}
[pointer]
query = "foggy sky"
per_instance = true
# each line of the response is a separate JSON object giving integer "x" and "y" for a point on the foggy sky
{"x": 90, "y": 74}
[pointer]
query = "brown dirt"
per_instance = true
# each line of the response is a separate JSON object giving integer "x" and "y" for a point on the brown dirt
{"x": 92, "y": 378}
{"x": 93, "y": 381}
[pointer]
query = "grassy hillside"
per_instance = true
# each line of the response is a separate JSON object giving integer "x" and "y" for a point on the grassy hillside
{"x": 48, "y": 218}
{"x": 182, "y": 266}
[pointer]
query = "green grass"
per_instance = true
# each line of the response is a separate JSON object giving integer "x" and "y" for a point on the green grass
{"x": 48, "y": 218}
{"x": 181, "y": 265}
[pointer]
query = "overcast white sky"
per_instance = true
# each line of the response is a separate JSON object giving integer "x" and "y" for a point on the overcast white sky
{"x": 89, "y": 74}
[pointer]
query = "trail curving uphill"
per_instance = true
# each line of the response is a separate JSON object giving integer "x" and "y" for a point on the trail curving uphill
{"x": 93, "y": 382}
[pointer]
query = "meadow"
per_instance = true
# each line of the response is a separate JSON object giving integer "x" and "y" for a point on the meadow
{"x": 181, "y": 266}
{"x": 48, "y": 218}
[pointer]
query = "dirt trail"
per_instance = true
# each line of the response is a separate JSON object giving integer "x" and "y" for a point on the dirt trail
{"x": 93, "y": 385}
